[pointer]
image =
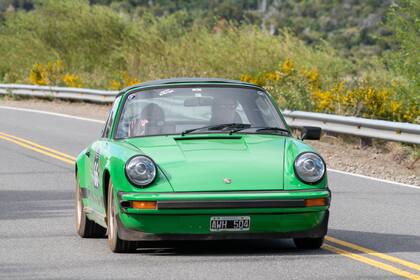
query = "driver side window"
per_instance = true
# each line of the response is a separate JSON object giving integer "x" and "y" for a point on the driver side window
{"x": 111, "y": 117}
{"x": 266, "y": 112}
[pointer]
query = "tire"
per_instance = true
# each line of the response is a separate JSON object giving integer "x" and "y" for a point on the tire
{"x": 309, "y": 243}
{"x": 115, "y": 243}
{"x": 85, "y": 228}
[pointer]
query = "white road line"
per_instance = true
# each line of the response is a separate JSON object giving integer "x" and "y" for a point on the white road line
{"x": 99, "y": 121}
{"x": 374, "y": 179}
{"x": 52, "y": 114}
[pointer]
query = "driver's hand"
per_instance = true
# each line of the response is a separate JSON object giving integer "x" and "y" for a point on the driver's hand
{"x": 137, "y": 127}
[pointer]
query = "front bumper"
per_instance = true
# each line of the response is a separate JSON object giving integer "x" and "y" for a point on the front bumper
{"x": 186, "y": 216}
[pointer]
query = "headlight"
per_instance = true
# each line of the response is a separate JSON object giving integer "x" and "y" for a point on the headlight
{"x": 309, "y": 168}
{"x": 140, "y": 170}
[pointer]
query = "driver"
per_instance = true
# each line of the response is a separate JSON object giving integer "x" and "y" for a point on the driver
{"x": 224, "y": 111}
{"x": 151, "y": 121}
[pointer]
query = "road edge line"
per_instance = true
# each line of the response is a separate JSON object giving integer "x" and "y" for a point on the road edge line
{"x": 373, "y": 178}
{"x": 52, "y": 114}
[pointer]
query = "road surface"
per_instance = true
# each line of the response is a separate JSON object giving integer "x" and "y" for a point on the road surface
{"x": 374, "y": 226}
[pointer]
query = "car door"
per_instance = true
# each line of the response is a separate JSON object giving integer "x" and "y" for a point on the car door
{"x": 98, "y": 156}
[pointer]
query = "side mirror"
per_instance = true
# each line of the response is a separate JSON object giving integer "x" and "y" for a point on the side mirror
{"x": 311, "y": 133}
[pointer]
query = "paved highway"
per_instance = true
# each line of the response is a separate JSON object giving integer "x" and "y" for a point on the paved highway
{"x": 374, "y": 226}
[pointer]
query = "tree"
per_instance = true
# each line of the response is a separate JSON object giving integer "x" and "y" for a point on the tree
{"x": 403, "y": 20}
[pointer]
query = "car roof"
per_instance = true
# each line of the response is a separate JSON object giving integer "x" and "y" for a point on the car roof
{"x": 174, "y": 81}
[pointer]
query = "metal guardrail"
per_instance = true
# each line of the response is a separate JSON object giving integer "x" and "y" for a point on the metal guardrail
{"x": 386, "y": 130}
{"x": 83, "y": 94}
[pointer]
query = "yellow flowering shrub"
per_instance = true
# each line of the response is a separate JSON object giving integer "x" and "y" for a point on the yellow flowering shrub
{"x": 128, "y": 80}
{"x": 115, "y": 85}
{"x": 53, "y": 74}
{"x": 72, "y": 80}
{"x": 302, "y": 89}
{"x": 125, "y": 80}
{"x": 323, "y": 100}
{"x": 365, "y": 101}
{"x": 248, "y": 78}
{"x": 288, "y": 66}
{"x": 313, "y": 76}
{"x": 55, "y": 70}
{"x": 293, "y": 87}
{"x": 290, "y": 87}
{"x": 39, "y": 75}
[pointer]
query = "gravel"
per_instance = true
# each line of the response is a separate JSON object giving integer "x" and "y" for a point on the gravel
{"x": 385, "y": 160}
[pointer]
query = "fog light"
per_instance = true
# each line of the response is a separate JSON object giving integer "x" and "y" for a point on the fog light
{"x": 143, "y": 205}
{"x": 315, "y": 202}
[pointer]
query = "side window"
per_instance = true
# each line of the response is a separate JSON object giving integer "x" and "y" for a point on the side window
{"x": 240, "y": 111}
{"x": 111, "y": 117}
{"x": 266, "y": 112}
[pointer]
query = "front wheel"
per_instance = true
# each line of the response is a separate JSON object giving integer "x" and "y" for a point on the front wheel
{"x": 85, "y": 227}
{"x": 115, "y": 243}
{"x": 309, "y": 243}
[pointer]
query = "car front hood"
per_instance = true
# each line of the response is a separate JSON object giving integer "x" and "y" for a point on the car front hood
{"x": 217, "y": 162}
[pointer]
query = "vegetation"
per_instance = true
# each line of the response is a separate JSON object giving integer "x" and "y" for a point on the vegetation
{"x": 308, "y": 60}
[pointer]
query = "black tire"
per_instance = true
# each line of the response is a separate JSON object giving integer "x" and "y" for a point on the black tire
{"x": 309, "y": 243}
{"x": 85, "y": 227}
{"x": 115, "y": 243}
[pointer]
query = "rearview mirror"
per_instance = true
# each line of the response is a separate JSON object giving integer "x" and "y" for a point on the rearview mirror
{"x": 198, "y": 101}
{"x": 311, "y": 133}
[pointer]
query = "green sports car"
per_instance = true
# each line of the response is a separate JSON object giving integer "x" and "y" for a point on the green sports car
{"x": 200, "y": 159}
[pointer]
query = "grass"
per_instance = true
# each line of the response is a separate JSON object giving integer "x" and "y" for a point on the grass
{"x": 72, "y": 43}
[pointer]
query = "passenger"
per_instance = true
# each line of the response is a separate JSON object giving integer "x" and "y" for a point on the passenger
{"x": 151, "y": 121}
{"x": 224, "y": 111}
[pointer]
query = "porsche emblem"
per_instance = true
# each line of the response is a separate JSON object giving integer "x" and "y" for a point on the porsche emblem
{"x": 227, "y": 180}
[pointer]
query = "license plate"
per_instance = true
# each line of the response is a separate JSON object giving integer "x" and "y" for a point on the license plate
{"x": 234, "y": 223}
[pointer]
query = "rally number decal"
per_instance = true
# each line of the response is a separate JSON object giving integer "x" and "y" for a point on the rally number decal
{"x": 96, "y": 170}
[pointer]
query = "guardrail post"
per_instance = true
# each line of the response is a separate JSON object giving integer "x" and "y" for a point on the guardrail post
{"x": 366, "y": 142}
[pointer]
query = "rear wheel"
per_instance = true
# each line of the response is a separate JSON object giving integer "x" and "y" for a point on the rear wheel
{"x": 309, "y": 243}
{"x": 115, "y": 243}
{"x": 85, "y": 227}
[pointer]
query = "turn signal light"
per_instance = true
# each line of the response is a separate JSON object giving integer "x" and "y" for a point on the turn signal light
{"x": 144, "y": 205}
{"x": 315, "y": 202}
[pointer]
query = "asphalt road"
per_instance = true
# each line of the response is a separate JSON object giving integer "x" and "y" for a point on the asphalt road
{"x": 38, "y": 240}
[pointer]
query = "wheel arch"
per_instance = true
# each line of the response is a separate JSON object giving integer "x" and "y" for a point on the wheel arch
{"x": 79, "y": 169}
{"x": 106, "y": 177}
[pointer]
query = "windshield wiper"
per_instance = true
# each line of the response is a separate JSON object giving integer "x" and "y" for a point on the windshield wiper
{"x": 259, "y": 129}
{"x": 239, "y": 126}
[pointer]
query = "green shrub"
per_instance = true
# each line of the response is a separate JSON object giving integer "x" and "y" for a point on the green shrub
{"x": 72, "y": 43}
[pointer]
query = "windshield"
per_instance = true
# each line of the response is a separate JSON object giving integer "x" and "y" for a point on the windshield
{"x": 175, "y": 110}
